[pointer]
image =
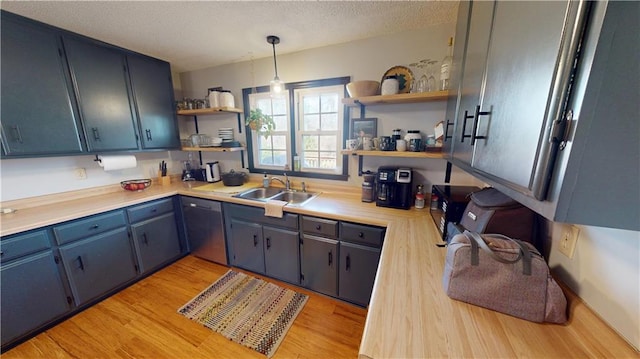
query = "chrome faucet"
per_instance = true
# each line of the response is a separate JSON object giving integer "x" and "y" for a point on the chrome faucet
{"x": 274, "y": 178}
{"x": 286, "y": 183}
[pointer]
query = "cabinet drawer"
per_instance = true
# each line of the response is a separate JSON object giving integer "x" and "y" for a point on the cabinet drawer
{"x": 88, "y": 227}
{"x": 148, "y": 210}
{"x": 256, "y": 215}
{"x": 23, "y": 244}
{"x": 358, "y": 233}
{"x": 323, "y": 227}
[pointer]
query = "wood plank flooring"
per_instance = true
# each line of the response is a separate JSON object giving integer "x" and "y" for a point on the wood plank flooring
{"x": 141, "y": 322}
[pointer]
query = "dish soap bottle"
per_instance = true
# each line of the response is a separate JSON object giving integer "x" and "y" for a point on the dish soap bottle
{"x": 265, "y": 181}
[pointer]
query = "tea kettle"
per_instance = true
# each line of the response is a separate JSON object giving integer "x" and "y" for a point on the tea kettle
{"x": 213, "y": 171}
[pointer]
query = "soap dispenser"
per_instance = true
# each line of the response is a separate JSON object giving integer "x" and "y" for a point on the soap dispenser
{"x": 265, "y": 181}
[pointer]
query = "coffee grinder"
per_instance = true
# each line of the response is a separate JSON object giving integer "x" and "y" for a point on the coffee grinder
{"x": 394, "y": 187}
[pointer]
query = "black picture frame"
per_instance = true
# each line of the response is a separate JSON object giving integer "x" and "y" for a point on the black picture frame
{"x": 363, "y": 127}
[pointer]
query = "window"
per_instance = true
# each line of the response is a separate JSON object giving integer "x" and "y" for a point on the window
{"x": 310, "y": 122}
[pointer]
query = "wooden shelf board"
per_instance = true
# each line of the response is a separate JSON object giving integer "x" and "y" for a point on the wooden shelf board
{"x": 214, "y": 149}
{"x": 210, "y": 111}
{"x": 397, "y": 98}
{"x": 406, "y": 154}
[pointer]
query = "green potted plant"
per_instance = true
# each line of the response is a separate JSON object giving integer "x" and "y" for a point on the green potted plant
{"x": 260, "y": 122}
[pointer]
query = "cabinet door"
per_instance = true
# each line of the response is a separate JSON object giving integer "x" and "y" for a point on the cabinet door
{"x": 103, "y": 95}
{"x": 477, "y": 46}
{"x": 281, "y": 257}
{"x": 524, "y": 74}
{"x": 319, "y": 264}
{"x": 98, "y": 264}
{"x": 247, "y": 244}
{"x": 156, "y": 241}
{"x": 358, "y": 266}
{"x": 153, "y": 92}
{"x": 32, "y": 295}
{"x": 37, "y": 111}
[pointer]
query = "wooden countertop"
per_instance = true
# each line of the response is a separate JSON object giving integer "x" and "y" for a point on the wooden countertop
{"x": 409, "y": 315}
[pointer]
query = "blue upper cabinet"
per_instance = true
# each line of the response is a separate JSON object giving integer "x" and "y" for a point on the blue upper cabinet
{"x": 37, "y": 110}
{"x": 86, "y": 96}
{"x": 100, "y": 79}
{"x": 153, "y": 93}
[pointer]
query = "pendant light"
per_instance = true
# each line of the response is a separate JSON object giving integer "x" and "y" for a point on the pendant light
{"x": 276, "y": 86}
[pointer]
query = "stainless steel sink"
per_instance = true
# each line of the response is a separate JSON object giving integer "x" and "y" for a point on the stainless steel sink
{"x": 264, "y": 194}
{"x": 260, "y": 194}
{"x": 295, "y": 198}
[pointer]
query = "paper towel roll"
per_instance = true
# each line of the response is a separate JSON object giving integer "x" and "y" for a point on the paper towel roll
{"x": 113, "y": 163}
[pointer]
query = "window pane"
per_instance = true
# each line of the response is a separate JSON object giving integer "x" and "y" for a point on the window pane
{"x": 311, "y": 104}
{"x": 329, "y": 122}
{"x": 282, "y": 124}
{"x": 311, "y": 122}
{"x": 279, "y": 158}
{"x": 279, "y": 106}
{"x": 328, "y": 143}
{"x": 279, "y": 142}
{"x": 310, "y": 143}
{"x": 264, "y": 144}
{"x": 264, "y": 105}
{"x": 329, "y": 102}
{"x": 266, "y": 158}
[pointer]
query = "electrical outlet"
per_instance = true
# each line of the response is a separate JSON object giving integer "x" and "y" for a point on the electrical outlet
{"x": 568, "y": 240}
{"x": 80, "y": 173}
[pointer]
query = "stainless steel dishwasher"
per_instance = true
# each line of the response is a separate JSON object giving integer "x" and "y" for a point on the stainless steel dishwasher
{"x": 205, "y": 229}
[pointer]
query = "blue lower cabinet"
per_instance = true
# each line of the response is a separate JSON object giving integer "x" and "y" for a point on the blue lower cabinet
{"x": 320, "y": 264}
{"x": 32, "y": 295}
{"x": 247, "y": 245}
{"x": 98, "y": 264}
{"x": 358, "y": 266}
{"x": 156, "y": 241}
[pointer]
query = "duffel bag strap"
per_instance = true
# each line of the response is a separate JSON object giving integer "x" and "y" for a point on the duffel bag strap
{"x": 476, "y": 241}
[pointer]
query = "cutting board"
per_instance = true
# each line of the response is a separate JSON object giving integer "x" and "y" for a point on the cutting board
{"x": 221, "y": 188}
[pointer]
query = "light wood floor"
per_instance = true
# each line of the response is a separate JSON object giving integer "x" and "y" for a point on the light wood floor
{"x": 141, "y": 322}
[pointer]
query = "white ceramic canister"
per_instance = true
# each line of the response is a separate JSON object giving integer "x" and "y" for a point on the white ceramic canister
{"x": 226, "y": 99}
{"x": 390, "y": 86}
{"x": 214, "y": 99}
{"x": 401, "y": 145}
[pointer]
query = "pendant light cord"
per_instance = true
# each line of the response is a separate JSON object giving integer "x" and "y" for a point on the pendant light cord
{"x": 275, "y": 64}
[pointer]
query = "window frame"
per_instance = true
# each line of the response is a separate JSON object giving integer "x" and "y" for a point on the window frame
{"x": 293, "y": 133}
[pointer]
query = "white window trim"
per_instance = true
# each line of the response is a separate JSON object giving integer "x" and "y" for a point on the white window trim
{"x": 255, "y": 138}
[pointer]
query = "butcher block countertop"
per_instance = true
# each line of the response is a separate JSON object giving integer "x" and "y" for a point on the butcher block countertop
{"x": 409, "y": 315}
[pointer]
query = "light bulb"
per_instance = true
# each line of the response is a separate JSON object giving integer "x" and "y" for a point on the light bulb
{"x": 276, "y": 86}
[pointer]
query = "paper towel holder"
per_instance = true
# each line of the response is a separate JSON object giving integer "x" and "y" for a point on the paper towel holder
{"x": 97, "y": 159}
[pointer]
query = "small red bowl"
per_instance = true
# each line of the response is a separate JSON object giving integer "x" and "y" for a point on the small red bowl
{"x": 135, "y": 185}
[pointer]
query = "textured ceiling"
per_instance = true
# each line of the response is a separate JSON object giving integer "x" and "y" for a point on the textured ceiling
{"x": 198, "y": 34}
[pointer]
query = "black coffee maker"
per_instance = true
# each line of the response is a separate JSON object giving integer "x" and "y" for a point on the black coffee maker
{"x": 393, "y": 187}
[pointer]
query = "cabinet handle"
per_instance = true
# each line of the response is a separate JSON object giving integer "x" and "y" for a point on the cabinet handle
{"x": 16, "y": 133}
{"x": 474, "y": 135}
{"x": 318, "y": 227}
{"x": 96, "y": 133}
{"x": 154, "y": 210}
{"x": 361, "y": 234}
{"x": 330, "y": 258}
{"x": 255, "y": 240}
{"x": 95, "y": 226}
{"x": 80, "y": 263}
{"x": 348, "y": 266}
{"x": 464, "y": 125}
{"x": 268, "y": 242}
{"x": 148, "y": 132}
{"x": 446, "y": 130}
{"x": 1, "y": 253}
{"x": 145, "y": 240}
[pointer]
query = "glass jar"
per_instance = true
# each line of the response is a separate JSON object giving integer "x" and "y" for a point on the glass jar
{"x": 368, "y": 194}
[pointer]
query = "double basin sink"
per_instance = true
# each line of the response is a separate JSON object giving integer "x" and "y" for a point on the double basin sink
{"x": 280, "y": 194}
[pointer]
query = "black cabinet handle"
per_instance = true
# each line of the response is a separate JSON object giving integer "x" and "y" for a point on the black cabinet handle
{"x": 474, "y": 135}
{"x": 145, "y": 240}
{"x": 268, "y": 242}
{"x": 154, "y": 210}
{"x": 80, "y": 263}
{"x": 148, "y": 133}
{"x": 95, "y": 226}
{"x": 446, "y": 130}
{"x": 361, "y": 234}
{"x": 255, "y": 240}
{"x": 17, "y": 136}
{"x": 1, "y": 253}
{"x": 318, "y": 227}
{"x": 464, "y": 125}
{"x": 96, "y": 133}
{"x": 348, "y": 265}
{"x": 330, "y": 258}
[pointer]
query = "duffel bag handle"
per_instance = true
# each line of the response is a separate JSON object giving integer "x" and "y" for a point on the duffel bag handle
{"x": 476, "y": 241}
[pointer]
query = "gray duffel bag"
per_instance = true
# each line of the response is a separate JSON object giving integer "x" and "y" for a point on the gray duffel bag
{"x": 503, "y": 274}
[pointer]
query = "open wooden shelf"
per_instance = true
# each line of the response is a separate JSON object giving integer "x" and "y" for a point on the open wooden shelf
{"x": 405, "y": 154}
{"x": 210, "y": 111}
{"x": 396, "y": 99}
{"x": 214, "y": 149}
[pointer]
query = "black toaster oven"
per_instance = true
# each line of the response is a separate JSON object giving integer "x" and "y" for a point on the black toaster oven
{"x": 448, "y": 204}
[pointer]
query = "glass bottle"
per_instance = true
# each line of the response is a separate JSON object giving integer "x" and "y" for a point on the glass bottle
{"x": 445, "y": 68}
